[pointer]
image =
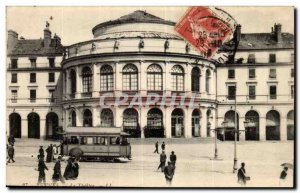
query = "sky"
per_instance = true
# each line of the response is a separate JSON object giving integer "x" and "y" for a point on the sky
{"x": 74, "y": 24}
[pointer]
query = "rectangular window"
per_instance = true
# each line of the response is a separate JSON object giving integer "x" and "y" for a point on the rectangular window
{"x": 51, "y": 77}
{"x": 14, "y": 96}
{"x": 33, "y": 62}
{"x": 32, "y": 96}
{"x": 231, "y": 73}
{"x": 292, "y": 91}
{"x": 272, "y": 58}
{"x": 292, "y": 73}
{"x": 32, "y": 77}
{"x": 106, "y": 82}
{"x": 14, "y": 63}
{"x": 272, "y": 73}
{"x": 252, "y": 73}
{"x": 14, "y": 78}
{"x": 252, "y": 92}
{"x": 251, "y": 59}
{"x": 51, "y": 62}
{"x": 51, "y": 95}
{"x": 292, "y": 58}
{"x": 273, "y": 92}
{"x": 231, "y": 92}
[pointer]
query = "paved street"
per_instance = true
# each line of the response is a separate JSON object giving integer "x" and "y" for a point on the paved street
{"x": 193, "y": 168}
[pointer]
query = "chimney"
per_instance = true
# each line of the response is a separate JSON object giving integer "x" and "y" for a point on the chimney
{"x": 238, "y": 31}
{"x": 47, "y": 37}
{"x": 12, "y": 40}
{"x": 277, "y": 28}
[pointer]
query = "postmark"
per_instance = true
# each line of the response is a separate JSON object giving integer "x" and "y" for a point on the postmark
{"x": 206, "y": 29}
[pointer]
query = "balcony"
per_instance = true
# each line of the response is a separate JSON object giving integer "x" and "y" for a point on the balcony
{"x": 35, "y": 101}
{"x": 86, "y": 94}
{"x": 255, "y": 99}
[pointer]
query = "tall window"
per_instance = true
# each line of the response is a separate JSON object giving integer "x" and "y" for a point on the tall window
{"x": 231, "y": 92}
{"x": 272, "y": 73}
{"x": 87, "y": 118}
{"x": 14, "y": 96}
{"x": 107, "y": 118}
{"x": 130, "y": 77}
{"x": 196, "y": 79}
{"x": 87, "y": 77}
{"x": 51, "y": 62}
{"x": 32, "y": 77}
{"x": 154, "y": 77}
{"x": 73, "y": 81}
{"x": 207, "y": 81}
{"x": 32, "y": 95}
{"x": 33, "y": 62}
{"x": 51, "y": 77}
{"x": 273, "y": 91}
{"x": 177, "y": 78}
{"x": 14, "y": 63}
{"x": 252, "y": 92}
{"x": 252, "y": 73}
{"x": 272, "y": 58}
{"x": 51, "y": 95}
{"x": 73, "y": 118}
{"x": 231, "y": 73}
{"x": 106, "y": 78}
{"x": 14, "y": 78}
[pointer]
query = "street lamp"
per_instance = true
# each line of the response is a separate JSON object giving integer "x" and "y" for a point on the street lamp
{"x": 224, "y": 124}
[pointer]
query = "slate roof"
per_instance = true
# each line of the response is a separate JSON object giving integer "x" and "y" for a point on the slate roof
{"x": 135, "y": 17}
{"x": 36, "y": 47}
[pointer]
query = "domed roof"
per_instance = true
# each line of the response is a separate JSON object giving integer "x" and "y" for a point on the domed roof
{"x": 135, "y": 17}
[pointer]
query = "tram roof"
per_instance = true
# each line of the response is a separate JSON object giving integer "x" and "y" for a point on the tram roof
{"x": 95, "y": 131}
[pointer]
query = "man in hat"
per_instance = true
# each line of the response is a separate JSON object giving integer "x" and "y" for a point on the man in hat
{"x": 169, "y": 173}
{"x": 11, "y": 153}
{"x": 11, "y": 140}
{"x": 156, "y": 148}
{"x": 41, "y": 152}
{"x": 163, "y": 159}
{"x": 57, "y": 171}
{"x": 241, "y": 175}
{"x": 163, "y": 146}
{"x": 49, "y": 151}
{"x": 41, "y": 168}
{"x": 173, "y": 158}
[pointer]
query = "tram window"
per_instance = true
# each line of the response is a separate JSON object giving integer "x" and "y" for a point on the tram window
{"x": 83, "y": 140}
{"x": 124, "y": 141}
{"x": 113, "y": 140}
{"x": 89, "y": 140}
{"x": 74, "y": 140}
{"x": 103, "y": 140}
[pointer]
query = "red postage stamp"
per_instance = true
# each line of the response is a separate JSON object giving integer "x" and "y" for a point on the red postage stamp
{"x": 206, "y": 29}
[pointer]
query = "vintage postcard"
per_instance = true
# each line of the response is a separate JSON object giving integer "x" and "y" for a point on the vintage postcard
{"x": 162, "y": 97}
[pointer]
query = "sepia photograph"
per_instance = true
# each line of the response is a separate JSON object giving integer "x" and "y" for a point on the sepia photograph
{"x": 150, "y": 97}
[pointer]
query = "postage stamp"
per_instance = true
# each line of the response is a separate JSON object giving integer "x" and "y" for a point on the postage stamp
{"x": 206, "y": 29}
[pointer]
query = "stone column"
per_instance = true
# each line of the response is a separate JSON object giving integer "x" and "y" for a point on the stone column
{"x": 283, "y": 129}
{"x": 118, "y": 116}
{"x": 143, "y": 120}
{"x": 24, "y": 127}
{"x": 167, "y": 122}
{"x": 96, "y": 80}
{"x": 78, "y": 82}
{"x": 262, "y": 128}
{"x": 118, "y": 77}
{"x": 167, "y": 79}
{"x": 203, "y": 123}
{"x": 79, "y": 120}
{"x": 202, "y": 81}
{"x": 143, "y": 79}
{"x": 187, "y": 123}
{"x": 42, "y": 128}
{"x": 187, "y": 78}
{"x": 96, "y": 116}
{"x": 213, "y": 122}
{"x": 242, "y": 136}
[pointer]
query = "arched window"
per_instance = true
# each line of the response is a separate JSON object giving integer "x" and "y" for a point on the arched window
{"x": 87, "y": 118}
{"x": 177, "y": 73}
{"x": 73, "y": 118}
{"x": 107, "y": 118}
{"x": 73, "y": 81}
{"x": 106, "y": 78}
{"x": 196, "y": 116}
{"x": 196, "y": 79}
{"x": 130, "y": 77}
{"x": 207, "y": 81}
{"x": 154, "y": 77}
{"x": 130, "y": 119}
{"x": 87, "y": 79}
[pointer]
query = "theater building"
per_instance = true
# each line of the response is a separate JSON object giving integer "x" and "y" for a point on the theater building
{"x": 141, "y": 54}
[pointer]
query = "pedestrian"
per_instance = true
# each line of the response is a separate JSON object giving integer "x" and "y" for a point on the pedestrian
{"x": 173, "y": 158}
{"x": 163, "y": 159}
{"x": 282, "y": 178}
{"x": 11, "y": 153}
{"x": 41, "y": 168}
{"x": 241, "y": 175}
{"x": 11, "y": 140}
{"x": 49, "y": 151}
{"x": 41, "y": 152}
{"x": 76, "y": 169}
{"x": 69, "y": 171}
{"x": 169, "y": 173}
{"x": 156, "y": 148}
{"x": 163, "y": 146}
{"x": 57, "y": 172}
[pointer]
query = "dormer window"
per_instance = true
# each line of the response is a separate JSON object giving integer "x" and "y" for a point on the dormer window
{"x": 251, "y": 59}
{"x": 32, "y": 62}
{"x": 272, "y": 58}
{"x": 51, "y": 62}
{"x": 14, "y": 63}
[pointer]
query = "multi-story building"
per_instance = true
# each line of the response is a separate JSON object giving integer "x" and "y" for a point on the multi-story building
{"x": 142, "y": 54}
